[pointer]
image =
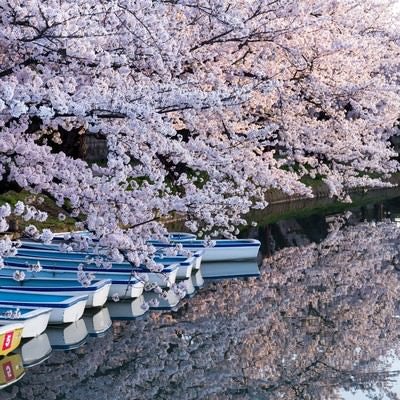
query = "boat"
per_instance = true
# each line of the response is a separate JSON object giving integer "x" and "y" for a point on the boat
{"x": 10, "y": 337}
{"x": 68, "y": 337}
{"x": 230, "y": 269}
{"x": 97, "y": 322}
{"x": 11, "y": 370}
{"x": 97, "y": 291}
{"x": 123, "y": 285}
{"x": 163, "y": 279}
{"x": 34, "y": 320}
{"x": 59, "y": 236}
{"x": 222, "y": 249}
{"x": 127, "y": 310}
{"x": 185, "y": 264}
{"x": 32, "y": 244}
{"x": 58, "y": 240}
{"x": 65, "y": 309}
{"x": 35, "y": 351}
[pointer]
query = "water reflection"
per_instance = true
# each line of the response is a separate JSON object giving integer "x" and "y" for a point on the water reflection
{"x": 35, "y": 351}
{"x": 11, "y": 370}
{"x": 127, "y": 309}
{"x": 232, "y": 269}
{"x": 321, "y": 322}
{"x": 67, "y": 337}
{"x": 97, "y": 321}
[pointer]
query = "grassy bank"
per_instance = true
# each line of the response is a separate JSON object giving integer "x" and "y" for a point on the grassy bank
{"x": 41, "y": 202}
{"x": 281, "y": 206}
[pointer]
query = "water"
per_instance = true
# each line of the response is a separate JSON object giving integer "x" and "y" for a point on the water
{"x": 321, "y": 322}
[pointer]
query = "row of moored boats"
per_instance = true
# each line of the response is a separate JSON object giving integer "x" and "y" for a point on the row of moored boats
{"x": 43, "y": 285}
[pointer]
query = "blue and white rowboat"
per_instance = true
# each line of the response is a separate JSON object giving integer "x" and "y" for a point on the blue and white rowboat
{"x": 122, "y": 284}
{"x": 185, "y": 264}
{"x": 97, "y": 291}
{"x": 224, "y": 249}
{"x": 34, "y": 320}
{"x": 65, "y": 309}
{"x": 164, "y": 279}
{"x": 170, "y": 235}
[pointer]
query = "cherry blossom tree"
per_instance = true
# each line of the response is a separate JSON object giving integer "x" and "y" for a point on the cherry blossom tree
{"x": 204, "y": 105}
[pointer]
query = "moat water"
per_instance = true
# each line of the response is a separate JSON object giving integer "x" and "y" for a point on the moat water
{"x": 317, "y": 318}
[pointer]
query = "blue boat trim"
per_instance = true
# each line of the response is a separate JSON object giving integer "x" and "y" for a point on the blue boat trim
{"x": 201, "y": 246}
{"x": 250, "y": 275}
{"x": 23, "y": 311}
{"x": 57, "y": 256}
{"x": 49, "y": 289}
{"x": 50, "y": 301}
{"x": 50, "y": 273}
{"x": 37, "y": 361}
{"x": 23, "y": 264}
{"x": 37, "y": 304}
{"x": 70, "y": 346}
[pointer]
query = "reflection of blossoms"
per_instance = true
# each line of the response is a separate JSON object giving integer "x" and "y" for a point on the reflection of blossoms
{"x": 152, "y": 303}
{"x": 149, "y": 286}
{"x": 179, "y": 289}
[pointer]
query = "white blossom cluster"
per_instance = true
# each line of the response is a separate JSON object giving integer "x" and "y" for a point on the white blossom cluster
{"x": 9, "y": 247}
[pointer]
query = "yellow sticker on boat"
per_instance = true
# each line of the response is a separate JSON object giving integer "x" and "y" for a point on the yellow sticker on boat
{"x": 10, "y": 339}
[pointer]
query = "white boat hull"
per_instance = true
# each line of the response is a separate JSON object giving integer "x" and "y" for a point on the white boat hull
{"x": 96, "y": 298}
{"x": 32, "y": 326}
{"x": 69, "y": 314}
{"x": 99, "y": 297}
{"x": 224, "y": 250}
{"x": 35, "y": 326}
